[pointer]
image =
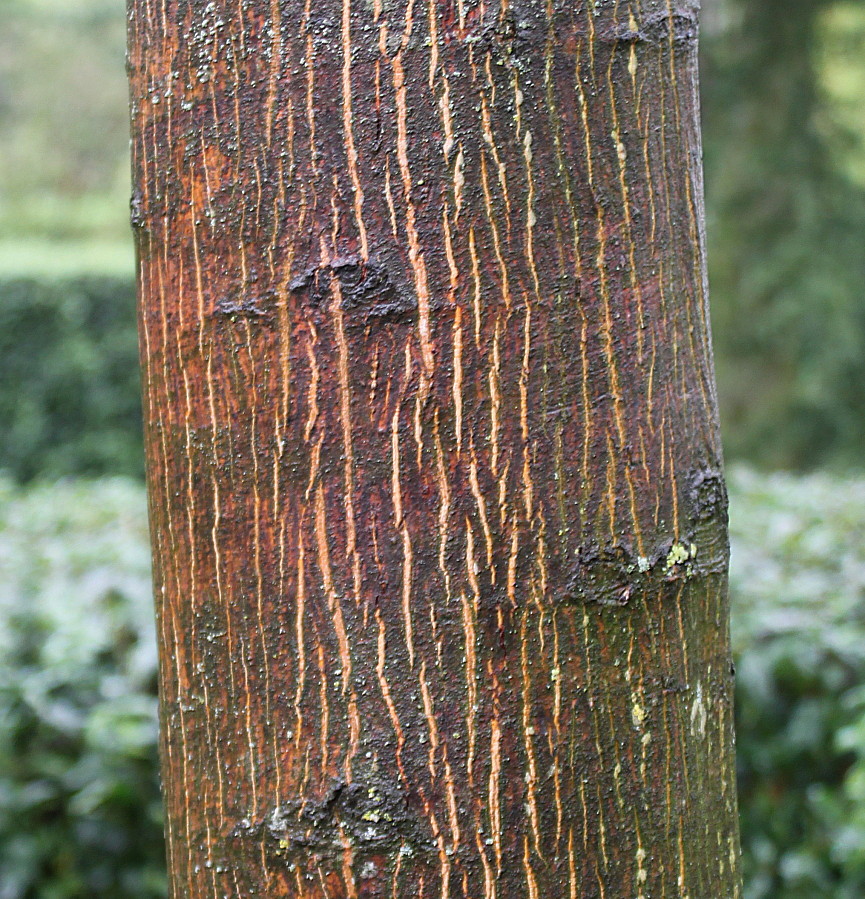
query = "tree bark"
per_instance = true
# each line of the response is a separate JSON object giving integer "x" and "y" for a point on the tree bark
{"x": 437, "y": 505}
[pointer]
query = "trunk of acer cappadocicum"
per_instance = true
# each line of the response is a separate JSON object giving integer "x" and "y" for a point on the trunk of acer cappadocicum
{"x": 438, "y": 514}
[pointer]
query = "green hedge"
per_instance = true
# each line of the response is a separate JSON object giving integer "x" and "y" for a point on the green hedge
{"x": 79, "y": 807}
{"x": 69, "y": 385}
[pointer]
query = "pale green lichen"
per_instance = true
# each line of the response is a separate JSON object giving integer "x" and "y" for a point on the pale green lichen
{"x": 680, "y": 554}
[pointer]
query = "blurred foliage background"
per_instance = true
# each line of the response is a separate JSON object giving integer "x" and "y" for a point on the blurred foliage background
{"x": 784, "y": 126}
{"x": 784, "y": 129}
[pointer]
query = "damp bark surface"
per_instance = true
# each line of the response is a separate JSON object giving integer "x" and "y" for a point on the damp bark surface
{"x": 437, "y": 504}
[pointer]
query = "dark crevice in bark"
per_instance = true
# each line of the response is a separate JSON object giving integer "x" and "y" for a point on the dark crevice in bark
{"x": 137, "y": 212}
{"x": 611, "y": 573}
{"x": 708, "y": 495}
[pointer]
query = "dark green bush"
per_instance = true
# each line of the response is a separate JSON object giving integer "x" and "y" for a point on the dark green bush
{"x": 79, "y": 806}
{"x": 69, "y": 400}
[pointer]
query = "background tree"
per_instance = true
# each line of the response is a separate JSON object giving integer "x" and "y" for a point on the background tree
{"x": 785, "y": 166}
{"x": 437, "y": 506}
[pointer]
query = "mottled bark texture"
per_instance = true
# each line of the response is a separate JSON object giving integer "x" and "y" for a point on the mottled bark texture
{"x": 438, "y": 515}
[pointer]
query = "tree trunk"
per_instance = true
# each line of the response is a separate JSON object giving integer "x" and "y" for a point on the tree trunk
{"x": 438, "y": 516}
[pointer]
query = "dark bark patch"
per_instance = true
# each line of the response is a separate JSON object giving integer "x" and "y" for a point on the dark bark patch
{"x": 708, "y": 495}
{"x": 504, "y": 35}
{"x": 681, "y": 26}
{"x": 706, "y": 504}
{"x": 612, "y": 575}
{"x": 507, "y": 39}
{"x": 248, "y": 306}
{"x": 366, "y": 818}
{"x": 602, "y": 575}
{"x": 137, "y": 212}
{"x": 367, "y": 289}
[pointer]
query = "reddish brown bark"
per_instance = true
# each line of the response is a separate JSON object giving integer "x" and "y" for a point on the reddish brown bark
{"x": 438, "y": 517}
